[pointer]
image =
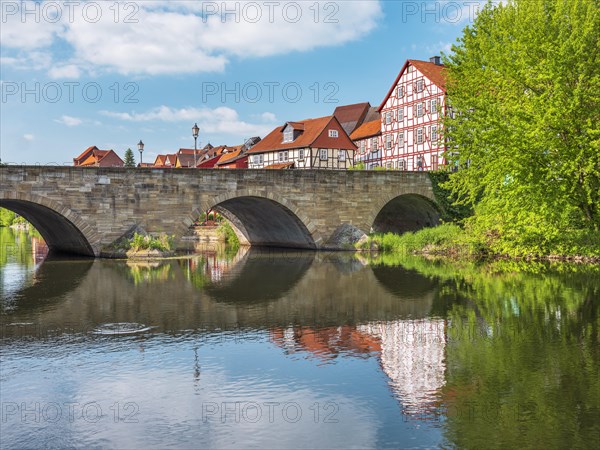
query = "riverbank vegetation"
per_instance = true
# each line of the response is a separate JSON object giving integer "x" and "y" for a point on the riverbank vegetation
{"x": 523, "y": 133}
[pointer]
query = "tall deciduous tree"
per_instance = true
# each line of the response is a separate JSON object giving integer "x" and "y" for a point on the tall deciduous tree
{"x": 524, "y": 88}
{"x": 129, "y": 158}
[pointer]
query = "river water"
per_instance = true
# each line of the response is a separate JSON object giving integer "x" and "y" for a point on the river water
{"x": 272, "y": 349}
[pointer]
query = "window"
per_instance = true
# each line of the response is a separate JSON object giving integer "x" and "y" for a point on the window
{"x": 374, "y": 144}
{"x": 323, "y": 154}
{"x": 400, "y": 92}
{"x": 420, "y": 162}
{"x": 301, "y": 154}
{"x": 419, "y": 86}
{"x": 434, "y": 162}
{"x": 419, "y": 110}
{"x": 288, "y": 134}
{"x": 409, "y": 69}
{"x": 388, "y": 117}
{"x": 257, "y": 159}
{"x": 341, "y": 155}
{"x": 388, "y": 141}
{"x": 363, "y": 145}
{"x": 433, "y": 104}
{"x": 433, "y": 133}
{"x": 400, "y": 114}
{"x": 388, "y": 165}
{"x": 283, "y": 156}
{"x": 401, "y": 164}
{"x": 401, "y": 139}
{"x": 419, "y": 133}
{"x": 333, "y": 133}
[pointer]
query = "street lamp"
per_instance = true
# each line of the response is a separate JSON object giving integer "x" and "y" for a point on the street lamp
{"x": 141, "y": 149}
{"x": 195, "y": 131}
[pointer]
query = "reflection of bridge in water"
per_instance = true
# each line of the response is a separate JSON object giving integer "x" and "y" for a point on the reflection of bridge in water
{"x": 327, "y": 305}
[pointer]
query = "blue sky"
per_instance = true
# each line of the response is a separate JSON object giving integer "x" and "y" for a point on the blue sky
{"x": 75, "y": 74}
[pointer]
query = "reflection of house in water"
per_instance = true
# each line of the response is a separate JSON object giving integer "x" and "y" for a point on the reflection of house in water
{"x": 411, "y": 353}
{"x": 39, "y": 249}
{"x": 326, "y": 343}
{"x": 213, "y": 264}
{"x": 413, "y": 357}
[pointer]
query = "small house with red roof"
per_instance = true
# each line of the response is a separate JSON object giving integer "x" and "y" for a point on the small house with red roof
{"x": 411, "y": 114}
{"x": 367, "y": 137}
{"x": 94, "y": 157}
{"x": 319, "y": 143}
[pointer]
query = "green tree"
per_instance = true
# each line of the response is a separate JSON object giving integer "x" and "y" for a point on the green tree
{"x": 524, "y": 127}
{"x": 129, "y": 158}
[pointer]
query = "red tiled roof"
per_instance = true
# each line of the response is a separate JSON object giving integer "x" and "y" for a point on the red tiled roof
{"x": 435, "y": 73}
{"x": 209, "y": 163}
{"x": 367, "y": 129}
{"x": 350, "y": 116}
{"x": 232, "y": 154}
{"x": 313, "y": 131}
{"x": 89, "y": 149}
{"x": 93, "y": 156}
{"x": 285, "y": 165}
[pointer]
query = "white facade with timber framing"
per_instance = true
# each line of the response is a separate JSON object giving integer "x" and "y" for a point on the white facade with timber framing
{"x": 318, "y": 143}
{"x": 411, "y": 116}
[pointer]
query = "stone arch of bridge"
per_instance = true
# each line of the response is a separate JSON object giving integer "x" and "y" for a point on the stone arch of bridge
{"x": 267, "y": 220}
{"x": 402, "y": 212}
{"x": 64, "y": 231}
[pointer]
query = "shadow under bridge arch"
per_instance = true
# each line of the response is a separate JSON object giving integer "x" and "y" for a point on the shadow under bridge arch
{"x": 263, "y": 222}
{"x": 407, "y": 212}
{"x": 62, "y": 235}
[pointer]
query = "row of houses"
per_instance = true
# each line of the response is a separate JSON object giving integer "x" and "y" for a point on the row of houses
{"x": 403, "y": 133}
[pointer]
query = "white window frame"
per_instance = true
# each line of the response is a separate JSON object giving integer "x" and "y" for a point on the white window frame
{"x": 283, "y": 156}
{"x": 323, "y": 154}
{"x": 341, "y": 155}
{"x": 374, "y": 144}
{"x": 388, "y": 117}
{"x": 401, "y": 164}
{"x": 419, "y": 135}
{"x": 433, "y": 133}
{"x": 333, "y": 133}
{"x": 288, "y": 134}
{"x": 401, "y": 139}
{"x": 433, "y": 104}
{"x": 419, "y": 109}
{"x": 420, "y": 86}
{"x": 400, "y": 92}
{"x": 301, "y": 154}
{"x": 388, "y": 141}
{"x": 400, "y": 113}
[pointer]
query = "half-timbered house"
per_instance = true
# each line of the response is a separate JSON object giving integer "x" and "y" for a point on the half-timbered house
{"x": 319, "y": 143}
{"x": 411, "y": 115}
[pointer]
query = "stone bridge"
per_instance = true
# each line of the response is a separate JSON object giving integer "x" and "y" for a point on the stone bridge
{"x": 83, "y": 210}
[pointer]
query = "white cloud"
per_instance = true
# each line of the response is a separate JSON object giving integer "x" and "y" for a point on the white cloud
{"x": 268, "y": 117}
{"x": 219, "y": 120}
{"x": 175, "y": 37}
{"x": 69, "y": 121}
{"x": 28, "y": 137}
{"x": 65, "y": 71}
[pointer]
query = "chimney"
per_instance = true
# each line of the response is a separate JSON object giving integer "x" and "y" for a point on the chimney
{"x": 436, "y": 60}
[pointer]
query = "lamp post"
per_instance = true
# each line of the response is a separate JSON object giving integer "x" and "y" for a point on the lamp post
{"x": 141, "y": 149}
{"x": 195, "y": 131}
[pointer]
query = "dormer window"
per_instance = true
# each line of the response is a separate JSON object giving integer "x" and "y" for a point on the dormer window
{"x": 333, "y": 133}
{"x": 288, "y": 134}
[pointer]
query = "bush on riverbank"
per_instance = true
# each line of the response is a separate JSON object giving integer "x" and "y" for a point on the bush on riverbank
{"x": 451, "y": 240}
{"x": 226, "y": 232}
{"x": 162, "y": 242}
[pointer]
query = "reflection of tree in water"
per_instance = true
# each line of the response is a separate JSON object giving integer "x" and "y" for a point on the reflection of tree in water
{"x": 149, "y": 271}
